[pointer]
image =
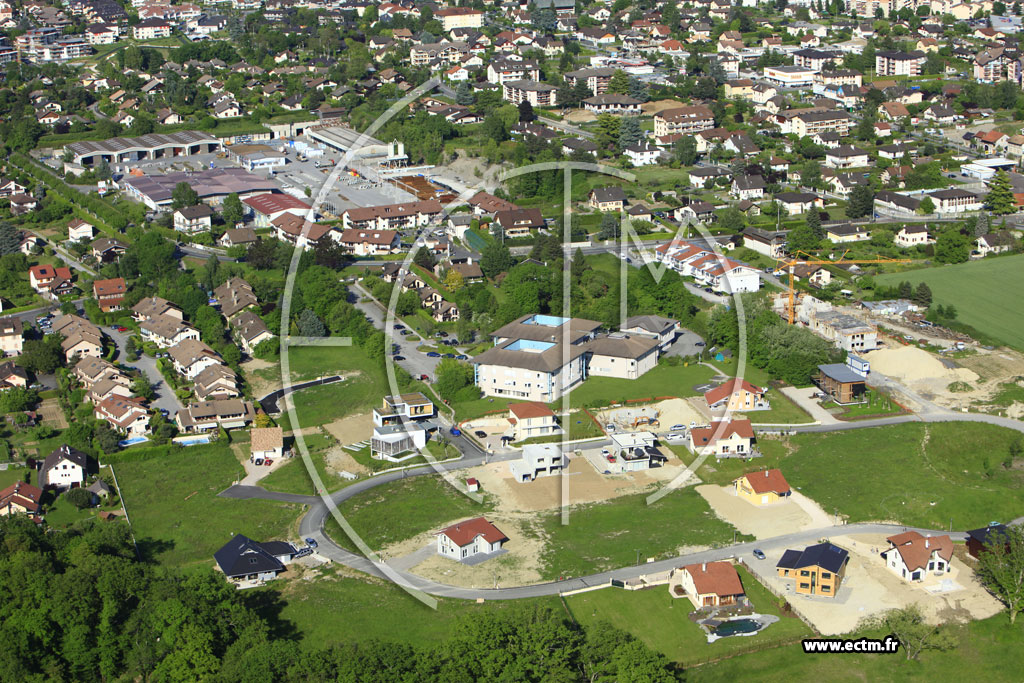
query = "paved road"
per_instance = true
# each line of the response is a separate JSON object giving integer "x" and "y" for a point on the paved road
{"x": 269, "y": 403}
{"x": 204, "y": 252}
{"x": 165, "y": 398}
{"x": 565, "y": 127}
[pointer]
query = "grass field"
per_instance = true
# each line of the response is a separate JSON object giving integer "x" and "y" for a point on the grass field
{"x": 783, "y": 412}
{"x": 987, "y": 650}
{"x": 884, "y": 473}
{"x": 292, "y": 477}
{"x": 402, "y": 509}
{"x": 970, "y": 287}
{"x": 602, "y": 536}
{"x": 665, "y": 380}
{"x": 666, "y": 627}
{"x": 176, "y": 514}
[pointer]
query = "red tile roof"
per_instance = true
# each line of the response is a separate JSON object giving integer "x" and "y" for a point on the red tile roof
{"x": 273, "y": 203}
{"x": 525, "y": 411}
{"x": 767, "y": 481}
{"x": 728, "y": 388}
{"x": 718, "y": 578}
{"x": 916, "y": 550}
{"x": 110, "y": 287}
{"x": 703, "y": 435}
{"x": 463, "y": 533}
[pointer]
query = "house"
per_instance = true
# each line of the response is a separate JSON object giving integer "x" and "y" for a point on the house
{"x": 206, "y": 415}
{"x": 80, "y": 230}
{"x": 108, "y": 249}
{"x": 663, "y": 330}
{"x": 21, "y": 499}
{"x": 621, "y": 356}
{"x": 708, "y": 584}
{"x": 912, "y": 236}
{"x": 723, "y": 439}
{"x": 42, "y": 277}
{"x": 980, "y": 540}
{"x": 530, "y": 419}
{"x": 470, "y": 540}
{"x": 954, "y": 200}
{"x": 153, "y": 307}
{"x": 238, "y": 237}
{"x": 82, "y": 341}
{"x": 611, "y": 198}
{"x": 266, "y": 443}
{"x": 519, "y": 222}
{"x": 796, "y": 203}
{"x": 398, "y": 441}
{"x": 612, "y": 103}
{"x": 994, "y": 243}
{"x": 216, "y": 382}
{"x": 64, "y": 468}
{"x": 642, "y": 153}
{"x": 109, "y": 293}
{"x": 250, "y": 330}
{"x": 770, "y": 243}
{"x": 762, "y": 488}
{"x": 12, "y": 376}
{"x": 367, "y": 242}
{"x": 841, "y": 383}
{"x": 191, "y": 356}
{"x": 248, "y": 563}
{"x": 125, "y": 415}
{"x": 22, "y": 204}
{"x": 817, "y": 569}
{"x": 11, "y": 339}
{"x": 234, "y": 296}
{"x": 193, "y": 219}
{"x": 399, "y": 408}
{"x": 847, "y": 232}
{"x": 846, "y": 156}
{"x": 737, "y": 395}
{"x": 538, "y": 460}
{"x": 912, "y": 556}
{"x": 748, "y": 187}
{"x": 167, "y": 330}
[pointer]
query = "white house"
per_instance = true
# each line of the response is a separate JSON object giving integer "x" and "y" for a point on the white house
{"x": 912, "y": 556}
{"x": 397, "y": 442}
{"x": 912, "y": 236}
{"x": 469, "y": 539}
{"x": 64, "y": 468}
{"x": 527, "y": 420}
{"x": 539, "y": 459}
{"x": 80, "y": 230}
{"x": 643, "y": 154}
{"x": 266, "y": 442}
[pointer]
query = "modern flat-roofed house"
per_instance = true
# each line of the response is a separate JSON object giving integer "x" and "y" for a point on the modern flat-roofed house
{"x": 11, "y": 336}
{"x": 611, "y": 198}
{"x": 912, "y": 556}
{"x": 395, "y": 409}
{"x": 762, "y": 488}
{"x": 248, "y": 563}
{"x": 166, "y": 331}
{"x": 841, "y": 383}
{"x": 64, "y": 468}
{"x": 266, "y": 442}
{"x": 205, "y": 415}
{"x": 109, "y": 293}
{"x": 817, "y": 569}
{"x": 536, "y": 358}
{"x": 723, "y": 440}
{"x": 530, "y": 419}
{"x": 664, "y": 330}
{"x": 622, "y": 356}
{"x": 845, "y": 331}
{"x": 538, "y": 460}
{"x": 737, "y": 395}
{"x": 709, "y": 584}
{"x": 250, "y": 330}
{"x": 397, "y": 441}
{"x": 469, "y": 540}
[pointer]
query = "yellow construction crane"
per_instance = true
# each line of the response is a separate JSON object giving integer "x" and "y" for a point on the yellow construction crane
{"x": 812, "y": 260}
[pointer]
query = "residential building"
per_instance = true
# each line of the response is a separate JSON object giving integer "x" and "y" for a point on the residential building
{"x": 151, "y": 29}
{"x": 109, "y": 293}
{"x": 459, "y": 17}
{"x": 193, "y": 219}
{"x": 982, "y": 540}
{"x": 80, "y": 230}
{"x": 247, "y": 563}
{"x": 912, "y": 556}
{"x": 954, "y": 200}
{"x": 469, "y": 540}
{"x": 621, "y": 356}
{"x": 409, "y": 215}
{"x": 762, "y": 488}
{"x": 796, "y": 203}
{"x": 994, "y": 243}
{"x": 912, "y": 236}
{"x": 538, "y": 460}
{"x": 108, "y": 249}
{"x": 897, "y": 63}
{"x": 167, "y": 330}
{"x": 770, "y": 243}
{"x": 402, "y": 407}
{"x": 811, "y": 122}
{"x": 397, "y": 442}
{"x": 21, "y": 499}
{"x": 191, "y": 356}
{"x": 723, "y": 439}
{"x": 519, "y": 222}
{"x": 841, "y": 384}
{"x": 11, "y": 336}
{"x": 234, "y": 296}
{"x": 266, "y": 443}
{"x": 268, "y": 206}
{"x": 206, "y": 415}
{"x": 367, "y": 242}
{"x": 536, "y": 93}
{"x": 789, "y": 76}
{"x": 528, "y": 420}
{"x": 250, "y": 330}
{"x": 663, "y": 330}
{"x": 847, "y": 232}
{"x": 153, "y": 307}
{"x": 604, "y": 199}
{"x": 737, "y": 395}
{"x": 597, "y": 79}
{"x": 64, "y": 468}
{"x": 846, "y": 156}
{"x": 749, "y": 187}
{"x": 683, "y": 120}
{"x": 817, "y": 569}
{"x": 612, "y": 103}
{"x": 708, "y": 584}
{"x": 126, "y": 415}
{"x": 12, "y": 376}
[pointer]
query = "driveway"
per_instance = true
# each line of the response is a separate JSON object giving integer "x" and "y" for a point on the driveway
{"x": 805, "y": 399}
{"x": 165, "y": 398}
{"x": 686, "y": 344}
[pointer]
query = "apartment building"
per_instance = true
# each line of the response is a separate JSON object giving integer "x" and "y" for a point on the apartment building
{"x": 815, "y": 122}
{"x": 406, "y": 216}
{"x": 536, "y": 93}
{"x": 206, "y": 415}
{"x": 166, "y": 331}
{"x": 367, "y": 242}
{"x": 898, "y": 63}
{"x": 683, "y": 120}
{"x": 444, "y": 52}
{"x": 459, "y": 17}
{"x": 597, "y": 79}
{"x": 512, "y": 68}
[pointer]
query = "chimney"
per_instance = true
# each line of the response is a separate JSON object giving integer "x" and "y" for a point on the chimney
{"x": 766, "y": 474}
{"x": 704, "y": 567}
{"x": 926, "y": 543}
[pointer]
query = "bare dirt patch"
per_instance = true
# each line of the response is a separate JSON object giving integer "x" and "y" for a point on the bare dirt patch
{"x": 580, "y": 116}
{"x": 260, "y": 385}
{"x": 651, "y": 108}
{"x": 763, "y": 521}
{"x": 339, "y": 460}
{"x": 351, "y": 429}
{"x": 670, "y": 412}
{"x": 51, "y": 413}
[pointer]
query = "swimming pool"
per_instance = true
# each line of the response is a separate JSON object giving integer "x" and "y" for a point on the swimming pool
{"x": 737, "y": 627}
{"x": 193, "y": 440}
{"x": 132, "y": 441}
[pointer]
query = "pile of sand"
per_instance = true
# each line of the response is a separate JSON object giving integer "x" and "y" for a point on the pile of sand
{"x": 912, "y": 364}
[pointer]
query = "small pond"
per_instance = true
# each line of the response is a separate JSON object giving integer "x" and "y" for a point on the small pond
{"x": 736, "y": 627}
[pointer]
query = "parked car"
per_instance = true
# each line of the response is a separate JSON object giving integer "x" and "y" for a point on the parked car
{"x": 442, "y": 334}
{"x": 759, "y": 554}
{"x": 709, "y": 290}
{"x": 268, "y": 462}
{"x": 678, "y": 428}
{"x": 455, "y": 431}
{"x": 122, "y": 328}
{"x": 311, "y": 542}
{"x": 462, "y": 356}
{"x": 433, "y": 354}
{"x": 700, "y": 343}
{"x": 424, "y": 378}
{"x": 605, "y": 451}
{"x": 399, "y": 326}
{"x": 609, "y": 427}
{"x": 611, "y": 458}
{"x": 258, "y": 462}
{"x": 449, "y": 355}
{"x": 673, "y": 437}
{"x": 480, "y": 434}
{"x": 399, "y": 359}
{"x": 405, "y": 332}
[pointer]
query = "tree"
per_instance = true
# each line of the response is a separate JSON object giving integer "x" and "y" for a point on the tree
{"x": 310, "y": 325}
{"x": 1001, "y": 568}
{"x": 982, "y": 225}
{"x": 862, "y": 202}
{"x": 1000, "y": 195}
{"x": 10, "y": 239}
{"x": 905, "y": 290}
{"x": 183, "y": 195}
{"x": 638, "y": 90}
{"x": 526, "y": 114}
{"x": 952, "y": 246}
{"x": 454, "y": 281}
{"x": 801, "y": 238}
{"x": 630, "y": 132}
{"x": 423, "y": 258}
{"x": 731, "y": 220}
{"x": 609, "y": 227}
{"x": 923, "y": 295}
{"x": 618, "y": 84}
{"x": 41, "y": 356}
{"x": 684, "y": 150}
{"x": 579, "y": 264}
{"x": 814, "y": 224}
{"x": 916, "y": 635}
{"x": 463, "y": 94}
{"x": 451, "y": 377}
{"x": 927, "y": 206}
{"x": 495, "y": 259}
{"x": 231, "y": 210}
{"x": 79, "y": 497}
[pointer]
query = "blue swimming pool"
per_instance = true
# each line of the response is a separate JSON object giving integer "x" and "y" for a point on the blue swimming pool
{"x": 737, "y": 627}
{"x": 132, "y": 441}
{"x": 193, "y": 440}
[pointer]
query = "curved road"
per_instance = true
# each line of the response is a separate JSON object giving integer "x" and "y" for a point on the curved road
{"x": 312, "y": 524}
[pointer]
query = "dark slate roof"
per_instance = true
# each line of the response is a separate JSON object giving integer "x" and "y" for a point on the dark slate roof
{"x": 840, "y": 372}
{"x": 242, "y": 556}
{"x": 985, "y": 534}
{"x": 73, "y": 454}
{"x": 824, "y": 555}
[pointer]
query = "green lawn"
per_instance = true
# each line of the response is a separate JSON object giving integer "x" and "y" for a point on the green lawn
{"x": 879, "y": 404}
{"x": 665, "y": 380}
{"x": 969, "y": 287}
{"x": 987, "y": 650}
{"x": 176, "y": 514}
{"x": 292, "y": 477}
{"x": 882, "y": 473}
{"x": 601, "y": 536}
{"x": 783, "y": 411}
{"x": 61, "y": 513}
{"x": 661, "y": 621}
{"x": 14, "y": 474}
{"x": 402, "y": 509}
